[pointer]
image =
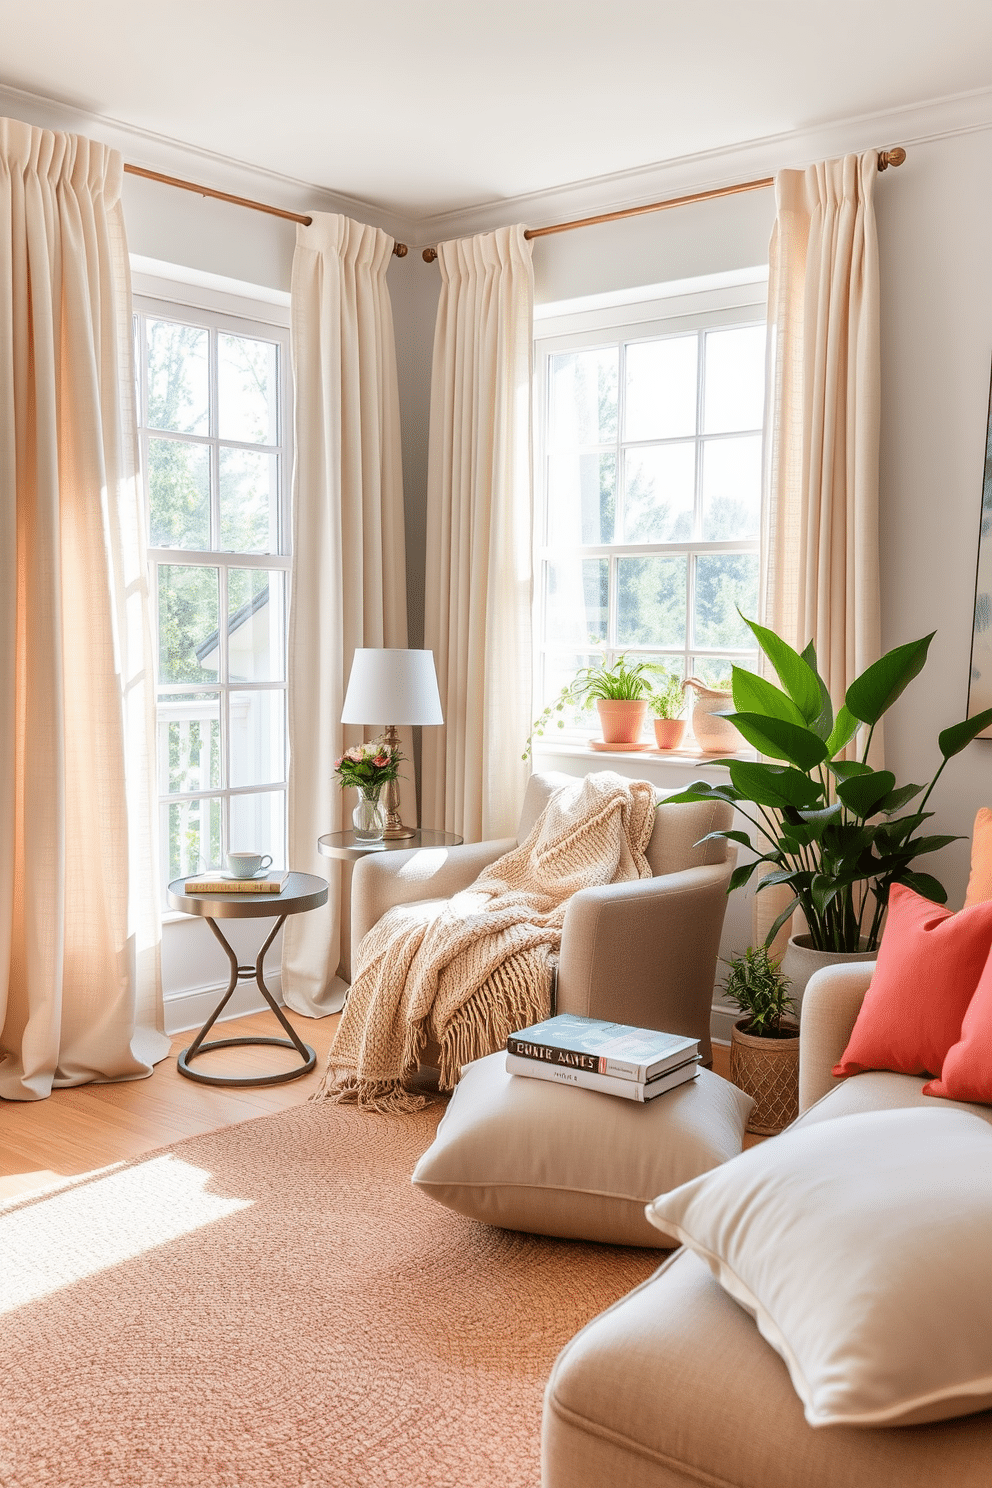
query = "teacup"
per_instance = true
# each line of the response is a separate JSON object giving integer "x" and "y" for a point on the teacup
{"x": 247, "y": 864}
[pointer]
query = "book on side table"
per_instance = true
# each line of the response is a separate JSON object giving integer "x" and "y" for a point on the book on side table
{"x": 267, "y": 883}
{"x": 614, "y": 1058}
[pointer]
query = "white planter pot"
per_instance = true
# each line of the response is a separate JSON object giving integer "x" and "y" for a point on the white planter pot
{"x": 801, "y": 961}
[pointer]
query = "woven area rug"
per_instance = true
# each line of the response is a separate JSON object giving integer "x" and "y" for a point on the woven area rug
{"x": 274, "y": 1305}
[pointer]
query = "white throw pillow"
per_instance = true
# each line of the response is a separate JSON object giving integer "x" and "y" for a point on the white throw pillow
{"x": 862, "y": 1246}
{"x": 558, "y": 1160}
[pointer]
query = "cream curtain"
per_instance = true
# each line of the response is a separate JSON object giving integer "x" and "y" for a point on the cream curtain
{"x": 349, "y": 576}
{"x": 479, "y": 535}
{"x": 820, "y": 548}
{"x": 80, "y": 985}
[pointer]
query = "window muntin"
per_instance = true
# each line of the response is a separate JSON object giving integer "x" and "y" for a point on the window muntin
{"x": 213, "y": 421}
{"x": 649, "y": 494}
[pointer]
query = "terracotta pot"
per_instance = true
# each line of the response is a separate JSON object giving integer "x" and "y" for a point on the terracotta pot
{"x": 767, "y": 1069}
{"x": 668, "y": 732}
{"x": 713, "y": 735}
{"x": 801, "y": 961}
{"x": 621, "y": 719}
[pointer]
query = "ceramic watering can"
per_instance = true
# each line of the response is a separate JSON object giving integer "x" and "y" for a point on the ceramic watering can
{"x": 714, "y": 735}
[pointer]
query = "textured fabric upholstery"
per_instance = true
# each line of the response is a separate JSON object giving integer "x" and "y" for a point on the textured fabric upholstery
{"x": 643, "y": 952}
{"x": 675, "y": 1386}
{"x": 831, "y": 1004}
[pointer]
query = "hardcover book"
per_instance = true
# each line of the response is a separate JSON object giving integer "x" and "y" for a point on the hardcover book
{"x": 537, "y": 1069}
{"x": 271, "y": 883}
{"x": 601, "y": 1048}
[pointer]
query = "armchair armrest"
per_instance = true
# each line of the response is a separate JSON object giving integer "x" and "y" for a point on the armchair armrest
{"x": 645, "y": 952}
{"x": 831, "y": 1004}
{"x": 382, "y": 880}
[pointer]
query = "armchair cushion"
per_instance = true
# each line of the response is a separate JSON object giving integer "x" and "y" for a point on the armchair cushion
{"x": 557, "y": 1160}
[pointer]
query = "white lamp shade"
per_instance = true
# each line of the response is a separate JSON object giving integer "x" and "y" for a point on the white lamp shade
{"x": 392, "y": 686}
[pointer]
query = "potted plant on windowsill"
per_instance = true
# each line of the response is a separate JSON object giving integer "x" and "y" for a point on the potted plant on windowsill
{"x": 832, "y": 828}
{"x": 667, "y": 705}
{"x": 620, "y": 690}
{"x": 764, "y": 1043}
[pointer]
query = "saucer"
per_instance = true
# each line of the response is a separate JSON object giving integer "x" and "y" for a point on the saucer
{"x": 245, "y": 877}
{"x": 618, "y": 748}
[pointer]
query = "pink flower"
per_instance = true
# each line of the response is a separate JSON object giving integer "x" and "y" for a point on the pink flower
{"x": 381, "y": 759}
{"x": 337, "y": 762}
{"x": 354, "y": 753}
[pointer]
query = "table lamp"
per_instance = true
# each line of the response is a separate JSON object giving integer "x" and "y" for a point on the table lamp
{"x": 390, "y": 688}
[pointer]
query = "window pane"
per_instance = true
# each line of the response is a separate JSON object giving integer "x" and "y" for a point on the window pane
{"x": 192, "y": 836}
{"x": 715, "y": 671}
{"x": 582, "y": 497}
{"x": 724, "y": 581}
{"x": 178, "y": 377}
{"x": 257, "y": 737}
{"x": 188, "y": 742}
{"x": 179, "y": 493}
{"x": 577, "y": 599}
{"x": 188, "y": 616}
{"x": 735, "y": 379}
{"x": 584, "y": 397}
{"x": 256, "y": 612}
{"x": 731, "y": 488}
{"x": 661, "y": 388}
{"x": 249, "y": 488}
{"x": 651, "y": 601}
{"x": 557, "y": 671}
{"x": 659, "y": 493}
{"x": 258, "y": 825}
{"x": 247, "y": 390}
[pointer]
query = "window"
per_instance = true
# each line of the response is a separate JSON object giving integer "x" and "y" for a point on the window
{"x": 212, "y": 419}
{"x": 649, "y": 487}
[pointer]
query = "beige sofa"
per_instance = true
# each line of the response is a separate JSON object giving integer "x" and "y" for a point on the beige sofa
{"x": 675, "y": 1386}
{"x": 642, "y": 952}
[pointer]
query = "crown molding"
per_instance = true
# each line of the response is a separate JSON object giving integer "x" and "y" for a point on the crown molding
{"x": 174, "y": 158}
{"x": 963, "y": 113}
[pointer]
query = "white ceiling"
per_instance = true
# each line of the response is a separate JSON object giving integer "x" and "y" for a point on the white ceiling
{"x": 431, "y": 107}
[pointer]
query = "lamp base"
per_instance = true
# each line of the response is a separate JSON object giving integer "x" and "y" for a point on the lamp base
{"x": 390, "y": 797}
{"x": 392, "y": 834}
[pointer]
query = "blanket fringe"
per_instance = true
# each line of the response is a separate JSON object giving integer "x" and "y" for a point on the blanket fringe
{"x": 390, "y": 1097}
{"x": 514, "y": 995}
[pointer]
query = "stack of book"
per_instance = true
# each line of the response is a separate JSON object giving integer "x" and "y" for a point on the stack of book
{"x": 613, "y": 1058}
{"x": 222, "y": 883}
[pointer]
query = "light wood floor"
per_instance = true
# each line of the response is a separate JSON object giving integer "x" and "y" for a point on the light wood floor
{"x": 91, "y": 1126}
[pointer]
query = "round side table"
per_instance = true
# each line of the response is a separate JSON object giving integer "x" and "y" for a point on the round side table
{"x": 347, "y": 846}
{"x": 302, "y": 891}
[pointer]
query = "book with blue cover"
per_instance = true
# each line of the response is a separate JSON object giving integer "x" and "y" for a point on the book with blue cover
{"x": 601, "y": 1048}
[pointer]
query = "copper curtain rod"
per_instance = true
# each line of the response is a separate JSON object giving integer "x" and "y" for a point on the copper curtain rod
{"x": 895, "y": 156}
{"x": 400, "y": 249}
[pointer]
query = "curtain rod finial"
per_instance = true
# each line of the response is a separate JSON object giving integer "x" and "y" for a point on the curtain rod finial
{"x": 895, "y": 156}
{"x": 400, "y": 250}
{"x": 429, "y": 255}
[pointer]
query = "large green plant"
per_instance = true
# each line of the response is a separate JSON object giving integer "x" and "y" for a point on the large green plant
{"x": 829, "y": 827}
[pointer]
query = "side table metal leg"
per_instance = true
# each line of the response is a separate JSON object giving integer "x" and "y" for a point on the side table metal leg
{"x": 244, "y": 973}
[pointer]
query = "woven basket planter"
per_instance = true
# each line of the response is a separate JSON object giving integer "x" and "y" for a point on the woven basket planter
{"x": 767, "y": 1069}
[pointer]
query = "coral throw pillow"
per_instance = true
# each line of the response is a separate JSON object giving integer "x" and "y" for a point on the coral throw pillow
{"x": 967, "y": 1071}
{"x": 929, "y": 964}
{"x": 980, "y": 882}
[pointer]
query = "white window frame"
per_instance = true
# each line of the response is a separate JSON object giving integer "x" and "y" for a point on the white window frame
{"x": 219, "y": 312}
{"x": 663, "y": 310}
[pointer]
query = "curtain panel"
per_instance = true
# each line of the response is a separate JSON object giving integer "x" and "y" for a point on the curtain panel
{"x": 820, "y": 570}
{"x": 80, "y": 982}
{"x": 480, "y": 535}
{"x": 349, "y": 565}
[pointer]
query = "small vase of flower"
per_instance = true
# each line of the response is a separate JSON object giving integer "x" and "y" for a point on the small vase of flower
{"x": 368, "y": 767}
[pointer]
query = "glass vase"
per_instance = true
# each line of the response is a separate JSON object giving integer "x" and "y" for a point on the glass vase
{"x": 368, "y": 818}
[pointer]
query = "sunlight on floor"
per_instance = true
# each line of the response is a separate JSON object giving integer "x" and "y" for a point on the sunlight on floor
{"x": 54, "y": 1241}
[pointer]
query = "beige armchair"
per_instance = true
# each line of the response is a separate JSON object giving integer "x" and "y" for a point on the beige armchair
{"x": 643, "y": 953}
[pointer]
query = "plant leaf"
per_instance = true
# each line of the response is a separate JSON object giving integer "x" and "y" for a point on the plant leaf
{"x": 920, "y": 845}
{"x": 741, "y": 876}
{"x": 701, "y": 790}
{"x": 925, "y": 884}
{"x": 823, "y": 724}
{"x": 796, "y": 675}
{"x": 844, "y": 729}
{"x": 874, "y": 692}
{"x": 773, "y": 785}
{"x": 752, "y": 694}
{"x": 863, "y": 794}
{"x": 786, "y": 914}
{"x": 781, "y": 740}
{"x": 729, "y": 836}
{"x": 898, "y": 798}
{"x": 956, "y": 738}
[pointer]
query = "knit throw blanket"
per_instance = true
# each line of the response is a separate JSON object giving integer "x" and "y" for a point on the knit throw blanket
{"x": 473, "y": 969}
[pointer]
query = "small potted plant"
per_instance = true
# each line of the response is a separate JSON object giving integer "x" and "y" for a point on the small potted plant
{"x": 368, "y": 767}
{"x": 764, "y": 1043}
{"x": 620, "y": 690}
{"x": 667, "y": 704}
